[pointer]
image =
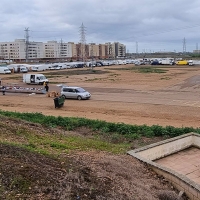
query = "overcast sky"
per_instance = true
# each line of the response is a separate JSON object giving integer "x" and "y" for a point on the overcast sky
{"x": 156, "y": 25}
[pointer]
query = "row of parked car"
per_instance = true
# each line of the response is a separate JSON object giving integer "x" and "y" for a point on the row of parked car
{"x": 23, "y": 68}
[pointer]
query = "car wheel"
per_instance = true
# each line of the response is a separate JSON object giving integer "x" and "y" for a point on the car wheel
{"x": 79, "y": 97}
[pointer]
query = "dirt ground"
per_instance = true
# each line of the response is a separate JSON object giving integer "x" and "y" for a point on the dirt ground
{"x": 128, "y": 96}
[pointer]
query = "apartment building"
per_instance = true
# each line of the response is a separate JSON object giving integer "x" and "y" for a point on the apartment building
{"x": 35, "y": 51}
{"x": 102, "y": 51}
{"x": 19, "y": 50}
{"x": 12, "y": 50}
{"x": 93, "y": 50}
{"x": 73, "y": 49}
{"x": 120, "y": 50}
{"x": 110, "y": 50}
{"x": 196, "y": 51}
{"x": 57, "y": 50}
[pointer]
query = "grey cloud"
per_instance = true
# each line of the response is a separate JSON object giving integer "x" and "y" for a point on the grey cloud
{"x": 154, "y": 24}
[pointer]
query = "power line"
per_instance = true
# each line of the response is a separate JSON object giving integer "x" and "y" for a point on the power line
{"x": 61, "y": 48}
{"x": 184, "y": 46}
{"x": 136, "y": 47}
{"x": 27, "y": 41}
{"x": 45, "y": 31}
{"x": 92, "y": 55}
{"x": 82, "y": 41}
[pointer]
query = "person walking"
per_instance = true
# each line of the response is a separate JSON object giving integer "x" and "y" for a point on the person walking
{"x": 46, "y": 87}
{"x": 3, "y": 89}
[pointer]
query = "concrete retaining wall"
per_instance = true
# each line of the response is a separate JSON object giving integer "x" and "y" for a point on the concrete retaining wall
{"x": 161, "y": 149}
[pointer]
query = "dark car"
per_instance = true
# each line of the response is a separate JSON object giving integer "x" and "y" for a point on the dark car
{"x": 155, "y": 62}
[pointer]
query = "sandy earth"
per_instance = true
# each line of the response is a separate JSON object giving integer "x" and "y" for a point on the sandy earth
{"x": 127, "y": 96}
{"x": 170, "y": 98}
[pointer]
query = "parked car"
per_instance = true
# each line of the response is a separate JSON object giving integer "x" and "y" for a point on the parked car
{"x": 79, "y": 65}
{"x": 55, "y": 67}
{"x": 74, "y": 93}
{"x": 4, "y": 70}
{"x": 155, "y": 62}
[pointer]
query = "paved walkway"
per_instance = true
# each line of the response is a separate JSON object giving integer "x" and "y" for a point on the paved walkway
{"x": 186, "y": 162}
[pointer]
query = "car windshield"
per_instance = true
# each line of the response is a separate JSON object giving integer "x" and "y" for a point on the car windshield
{"x": 80, "y": 90}
{"x": 42, "y": 77}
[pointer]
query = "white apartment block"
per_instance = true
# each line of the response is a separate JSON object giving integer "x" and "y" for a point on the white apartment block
{"x": 54, "y": 49}
{"x": 19, "y": 50}
{"x": 35, "y": 50}
{"x": 12, "y": 50}
{"x": 120, "y": 50}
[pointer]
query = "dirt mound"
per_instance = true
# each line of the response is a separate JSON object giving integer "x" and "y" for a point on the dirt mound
{"x": 85, "y": 175}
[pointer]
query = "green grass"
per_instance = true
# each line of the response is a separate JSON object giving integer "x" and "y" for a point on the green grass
{"x": 143, "y": 69}
{"x": 150, "y": 70}
{"x": 71, "y": 72}
{"x": 56, "y": 144}
{"x": 116, "y": 138}
{"x": 21, "y": 183}
{"x": 13, "y": 77}
{"x": 71, "y": 123}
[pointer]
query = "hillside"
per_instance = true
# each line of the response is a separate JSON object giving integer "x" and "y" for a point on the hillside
{"x": 34, "y": 165}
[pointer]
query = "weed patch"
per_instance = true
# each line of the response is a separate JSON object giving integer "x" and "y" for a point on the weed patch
{"x": 146, "y": 69}
{"x": 149, "y": 70}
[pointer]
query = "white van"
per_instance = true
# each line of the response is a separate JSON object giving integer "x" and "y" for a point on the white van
{"x": 35, "y": 79}
{"x": 4, "y": 70}
{"x": 38, "y": 68}
{"x": 17, "y": 68}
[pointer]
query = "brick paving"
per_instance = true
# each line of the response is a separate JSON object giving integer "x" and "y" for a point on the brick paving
{"x": 186, "y": 162}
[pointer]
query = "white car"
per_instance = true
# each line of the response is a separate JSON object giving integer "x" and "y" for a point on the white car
{"x": 55, "y": 67}
{"x": 74, "y": 93}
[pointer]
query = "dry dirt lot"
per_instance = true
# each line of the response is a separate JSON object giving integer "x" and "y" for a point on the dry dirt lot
{"x": 128, "y": 96}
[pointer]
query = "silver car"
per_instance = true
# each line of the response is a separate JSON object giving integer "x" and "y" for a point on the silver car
{"x": 74, "y": 93}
